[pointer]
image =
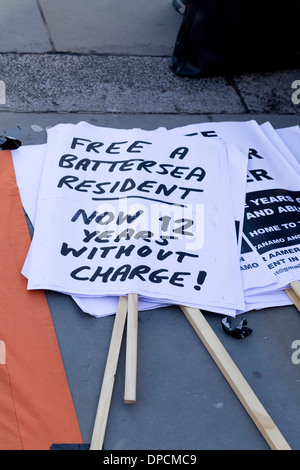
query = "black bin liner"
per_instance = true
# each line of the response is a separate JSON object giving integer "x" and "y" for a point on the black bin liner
{"x": 220, "y": 37}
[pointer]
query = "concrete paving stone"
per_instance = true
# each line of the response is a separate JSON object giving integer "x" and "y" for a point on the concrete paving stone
{"x": 74, "y": 83}
{"x": 22, "y": 28}
{"x": 119, "y": 27}
{"x": 269, "y": 92}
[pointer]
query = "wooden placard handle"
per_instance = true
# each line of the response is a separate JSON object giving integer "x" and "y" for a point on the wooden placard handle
{"x": 2, "y": 353}
{"x": 234, "y": 377}
{"x": 294, "y": 298}
{"x": 131, "y": 349}
{"x": 295, "y": 286}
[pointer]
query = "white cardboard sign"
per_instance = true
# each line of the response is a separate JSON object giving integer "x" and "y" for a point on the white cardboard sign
{"x": 124, "y": 211}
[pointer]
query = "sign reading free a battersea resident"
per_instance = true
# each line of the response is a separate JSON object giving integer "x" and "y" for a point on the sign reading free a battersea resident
{"x": 123, "y": 211}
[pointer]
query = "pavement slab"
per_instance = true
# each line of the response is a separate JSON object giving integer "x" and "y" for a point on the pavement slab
{"x": 269, "y": 92}
{"x": 66, "y": 61}
{"x": 136, "y": 84}
{"x": 109, "y": 84}
{"x": 22, "y": 28}
{"x": 124, "y": 27}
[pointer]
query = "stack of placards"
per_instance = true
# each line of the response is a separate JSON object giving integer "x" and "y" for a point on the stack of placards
{"x": 132, "y": 211}
{"x": 205, "y": 215}
{"x": 270, "y": 255}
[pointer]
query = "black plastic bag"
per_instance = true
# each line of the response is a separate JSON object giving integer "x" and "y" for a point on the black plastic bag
{"x": 240, "y": 331}
{"x": 9, "y": 143}
{"x": 220, "y": 37}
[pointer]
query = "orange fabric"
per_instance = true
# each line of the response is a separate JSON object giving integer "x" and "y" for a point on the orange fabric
{"x": 10, "y": 438}
{"x": 36, "y": 407}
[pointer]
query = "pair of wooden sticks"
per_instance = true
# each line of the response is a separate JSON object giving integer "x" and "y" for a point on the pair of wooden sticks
{"x": 128, "y": 307}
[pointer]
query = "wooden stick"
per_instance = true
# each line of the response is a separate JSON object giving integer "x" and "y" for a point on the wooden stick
{"x": 234, "y": 377}
{"x": 295, "y": 286}
{"x": 2, "y": 353}
{"x": 294, "y": 298}
{"x": 131, "y": 349}
{"x": 109, "y": 376}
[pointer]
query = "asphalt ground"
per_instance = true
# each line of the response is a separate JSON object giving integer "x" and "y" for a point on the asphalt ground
{"x": 73, "y": 60}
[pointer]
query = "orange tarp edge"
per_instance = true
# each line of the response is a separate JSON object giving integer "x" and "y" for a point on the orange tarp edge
{"x": 36, "y": 407}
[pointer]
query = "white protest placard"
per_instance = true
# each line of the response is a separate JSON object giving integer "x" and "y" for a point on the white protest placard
{"x": 235, "y": 135}
{"x": 272, "y": 206}
{"x": 28, "y": 163}
{"x": 291, "y": 137}
{"x": 273, "y": 216}
{"x": 124, "y": 211}
{"x": 248, "y": 261}
{"x": 280, "y": 144}
{"x": 271, "y": 176}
